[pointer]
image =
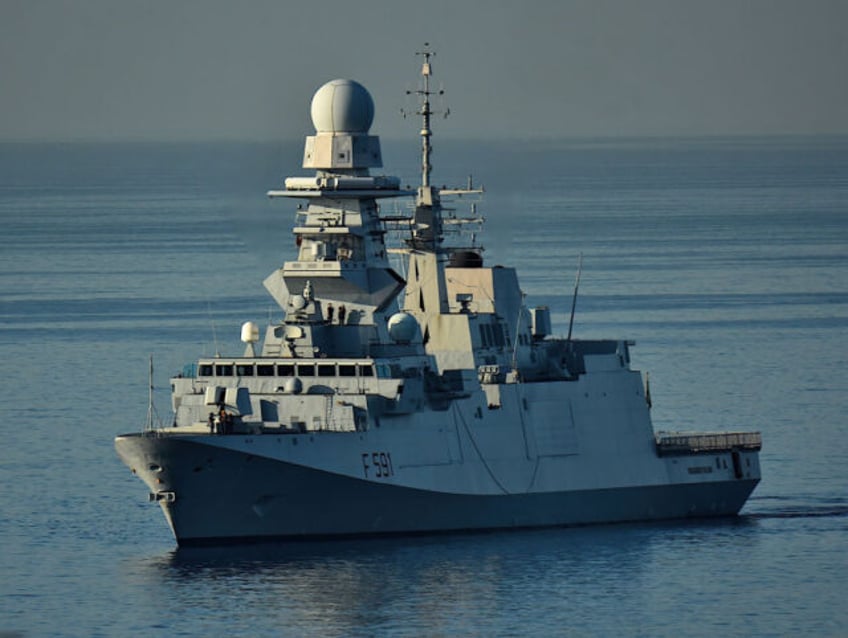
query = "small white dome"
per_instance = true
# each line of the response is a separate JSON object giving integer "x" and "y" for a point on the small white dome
{"x": 249, "y": 332}
{"x": 402, "y": 327}
{"x": 342, "y": 106}
{"x": 293, "y": 386}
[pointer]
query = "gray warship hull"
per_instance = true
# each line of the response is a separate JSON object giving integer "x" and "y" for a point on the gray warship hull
{"x": 440, "y": 472}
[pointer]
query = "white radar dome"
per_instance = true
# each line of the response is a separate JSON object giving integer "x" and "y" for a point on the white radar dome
{"x": 249, "y": 332}
{"x": 293, "y": 386}
{"x": 402, "y": 327}
{"x": 342, "y": 106}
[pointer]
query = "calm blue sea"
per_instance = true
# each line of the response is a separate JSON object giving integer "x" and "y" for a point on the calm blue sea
{"x": 725, "y": 260}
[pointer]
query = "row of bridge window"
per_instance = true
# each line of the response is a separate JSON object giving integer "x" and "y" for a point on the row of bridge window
{"x": 286, "y": 370}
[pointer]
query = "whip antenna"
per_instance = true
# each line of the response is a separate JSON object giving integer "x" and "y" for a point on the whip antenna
{"x": 574, "y": 298}
{"x": 153, "y": 419}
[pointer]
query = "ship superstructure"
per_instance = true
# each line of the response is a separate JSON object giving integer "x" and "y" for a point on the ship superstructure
{"x": 437, "y": 401}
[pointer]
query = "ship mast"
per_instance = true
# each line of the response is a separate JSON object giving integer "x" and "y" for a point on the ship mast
{"x": 428, "y": 225}
{"x": 427, "y": 221}
{"x": 425, "y": 111}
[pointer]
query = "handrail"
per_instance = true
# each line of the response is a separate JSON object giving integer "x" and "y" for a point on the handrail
{"x": 704, "y": 442}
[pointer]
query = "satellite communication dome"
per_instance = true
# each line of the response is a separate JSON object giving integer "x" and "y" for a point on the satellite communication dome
{"x": 402, "y": 327}
{"x": 293, "y": 386}
{"x": 342, "y": 106}
{"x": 249, "y": 332}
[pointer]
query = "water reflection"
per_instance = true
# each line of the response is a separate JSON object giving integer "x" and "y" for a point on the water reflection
{"x": 422, "y": 585}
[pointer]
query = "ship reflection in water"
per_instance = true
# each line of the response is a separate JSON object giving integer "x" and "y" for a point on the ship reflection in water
{"x": 471, "y": 584}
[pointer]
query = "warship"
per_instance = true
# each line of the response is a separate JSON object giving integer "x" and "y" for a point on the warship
{"x": 436, "y": 401}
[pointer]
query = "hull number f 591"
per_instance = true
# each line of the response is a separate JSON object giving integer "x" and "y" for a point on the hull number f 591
{"x": 377, "y": 465}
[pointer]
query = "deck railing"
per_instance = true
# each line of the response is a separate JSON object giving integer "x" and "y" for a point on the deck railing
{"x": 692, "y": 443}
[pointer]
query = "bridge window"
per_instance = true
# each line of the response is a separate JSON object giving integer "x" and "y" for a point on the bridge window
{"x": 326, "y": 370}
{"x": 223, "y": 370}
{"x": 264, "y": 370}
{"x": 206, "y": 370}
{"x": 244, "y": 370}
{"x": 347, "y": 370}
{"x": 366, "y": 371}
{"x": 306, "y": 370}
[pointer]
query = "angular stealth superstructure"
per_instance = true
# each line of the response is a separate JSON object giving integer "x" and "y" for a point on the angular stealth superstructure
{"x": 447, "y": 408}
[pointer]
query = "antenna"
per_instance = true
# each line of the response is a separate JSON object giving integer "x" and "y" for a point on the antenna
{"x": 214, "y": 332}
{"x": 152, "y": 415}
{"x": 425, "y": 112}
{"x": 648, "y": 391}
{"x": 517, "y": 330}
{"x": 574, "y": 299}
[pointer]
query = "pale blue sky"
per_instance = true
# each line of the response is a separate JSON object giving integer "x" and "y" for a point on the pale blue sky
{"x": 219, "y": 69}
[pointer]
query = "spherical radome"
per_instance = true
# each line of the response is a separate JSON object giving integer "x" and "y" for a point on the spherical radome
{"x": 402, "y": 327}
{"x": 342, "y": 106}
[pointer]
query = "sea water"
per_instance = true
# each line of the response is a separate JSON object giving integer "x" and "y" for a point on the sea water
{"x": 725, "y": 260}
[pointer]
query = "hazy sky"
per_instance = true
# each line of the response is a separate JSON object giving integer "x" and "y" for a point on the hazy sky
{"x": 227, "y": 69}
